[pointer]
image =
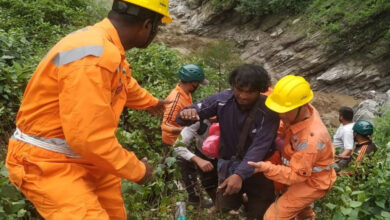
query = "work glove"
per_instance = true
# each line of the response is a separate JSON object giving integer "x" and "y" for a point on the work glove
{"x": 148, "y": 172}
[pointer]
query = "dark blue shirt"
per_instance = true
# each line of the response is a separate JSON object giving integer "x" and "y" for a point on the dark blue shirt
{"x": 231, "y": 119}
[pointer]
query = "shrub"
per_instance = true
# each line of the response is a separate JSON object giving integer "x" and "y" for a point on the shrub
{"x": 365, "y": 194}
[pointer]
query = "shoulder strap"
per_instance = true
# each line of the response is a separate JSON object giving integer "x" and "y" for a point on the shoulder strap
{"x": 245, "y": 128}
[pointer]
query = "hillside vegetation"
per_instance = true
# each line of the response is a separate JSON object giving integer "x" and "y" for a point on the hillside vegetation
{"x": 349, "y": 25}
{"x": 29, "y": 28}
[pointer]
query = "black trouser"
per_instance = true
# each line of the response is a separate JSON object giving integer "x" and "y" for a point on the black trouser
{"x": 189, "y": 172}
{"x": 260, "y": 192}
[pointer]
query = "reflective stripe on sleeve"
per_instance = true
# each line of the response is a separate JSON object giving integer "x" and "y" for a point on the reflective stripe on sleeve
{"x": 70, "y": 56}
{"x": 320, "y": 145}
{"x": 302, "y": 146}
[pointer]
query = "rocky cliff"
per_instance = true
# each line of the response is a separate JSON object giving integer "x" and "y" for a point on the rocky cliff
{"x": 283, "y": 46}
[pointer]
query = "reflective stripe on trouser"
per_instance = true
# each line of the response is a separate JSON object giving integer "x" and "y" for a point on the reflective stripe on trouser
{"x": 64, "y": 188}
{"x": 295, "y": 202}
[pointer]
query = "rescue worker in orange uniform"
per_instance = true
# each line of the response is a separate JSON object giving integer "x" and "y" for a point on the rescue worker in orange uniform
{"x": 190, "y": 76}
{"x": 64, "y": 155}
{"x": 307, "y": 153}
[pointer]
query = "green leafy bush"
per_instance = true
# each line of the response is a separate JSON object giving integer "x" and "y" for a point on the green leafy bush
{"x": 155, "y": 68}
{"x": 27, "y": 30}
{"x": 365, "y": 194}
{"x": 351, "y": 24}
{"x": 261, "y": 7}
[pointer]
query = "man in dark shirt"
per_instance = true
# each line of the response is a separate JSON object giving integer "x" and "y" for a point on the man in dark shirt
{"x": 232, "y": 107}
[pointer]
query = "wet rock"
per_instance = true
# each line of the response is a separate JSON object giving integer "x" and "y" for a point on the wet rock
{"x": 282, "y": 46}
{"x": 366, "y": 110}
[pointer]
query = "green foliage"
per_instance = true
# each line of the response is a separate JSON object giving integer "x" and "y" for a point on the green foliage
{"x": 382, "y": 128}
{"x": 27, "y": 30}
{"x": 365, "y": 194}
{"x": 257, "y": 8}
{"x": 156, "y": 68}
{"x": 12, "y": 204}
{"x": 218, "y": 60}
{"x": 351, "y": 24}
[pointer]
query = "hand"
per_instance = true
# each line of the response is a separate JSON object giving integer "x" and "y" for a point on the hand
{"x": 159, "y": 108}
{"x": 204, "y": 165}
{"x": 233, "y": 185}
{"x": 189, "y": 114}
{"x": 259, "y": 166}
{"x": 148, "y": 172}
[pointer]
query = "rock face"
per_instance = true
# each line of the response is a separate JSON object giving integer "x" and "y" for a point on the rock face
{"x": 282, "y": 48}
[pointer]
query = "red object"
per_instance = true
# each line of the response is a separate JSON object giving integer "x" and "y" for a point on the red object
{"x": 211, "y": 145}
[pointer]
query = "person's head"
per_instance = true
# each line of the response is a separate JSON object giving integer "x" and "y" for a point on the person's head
{"x": 345, "y": 114}
{"x": 290, "y": 96}
{"x": 137, "y": 21}
{"x": 363, "y": 129}
{"x": 191, "y": 76}
{"x": 248, "y": 81}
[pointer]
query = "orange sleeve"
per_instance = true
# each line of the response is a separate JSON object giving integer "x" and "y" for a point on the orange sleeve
{"x": 169, "y": 119}
{"x": 300, "y": 168}
{"x": 138, "y": 97}
{"x": 89, "y": 123}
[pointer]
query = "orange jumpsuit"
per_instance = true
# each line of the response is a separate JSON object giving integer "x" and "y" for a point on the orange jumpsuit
{"x": 180, "y": 101}
{"x": 76, "y": 95}
{"x": 307, "y": 156}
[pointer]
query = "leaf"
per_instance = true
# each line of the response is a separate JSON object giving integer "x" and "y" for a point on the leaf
{"x": 170, "y": 161}
{"x": 21, "y": 213}
{"x": 331, "y": 206}
{"x": 348, "y": 189}
{"x": 355, "y": 204}
{"x": 357, "y": 192}
{"x": 338, "y": 188}
{"x": 385, "y": 214}
{"x": 380, "y": 203}
{"x": 4, "y": 172}
{"x": 7, "y": 57}
{"x": 345, "y": 211}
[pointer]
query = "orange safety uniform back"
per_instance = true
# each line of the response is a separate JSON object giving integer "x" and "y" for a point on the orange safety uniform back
{"x": 180, "y": 101}
{"x": 307, "y": 155}
{"x": 77, "y": 94}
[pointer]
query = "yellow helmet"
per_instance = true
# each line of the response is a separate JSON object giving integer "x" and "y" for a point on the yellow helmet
{"x": 159, "y": 6}
{"x": 289, "y": 93}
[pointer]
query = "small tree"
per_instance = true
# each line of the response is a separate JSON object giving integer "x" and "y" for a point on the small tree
{"x": 221, "y": 59}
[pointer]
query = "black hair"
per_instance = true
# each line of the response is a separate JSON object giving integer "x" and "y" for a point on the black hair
{"x": 346, "y": 113}
{"x": 131, "y": 14}
{"x": 253, "y": 76}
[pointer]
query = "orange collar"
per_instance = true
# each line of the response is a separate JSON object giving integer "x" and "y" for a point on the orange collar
{"x": 297, "y": 127}
{"x": 181, "y": 91}
{"x": 111, "y": 33}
